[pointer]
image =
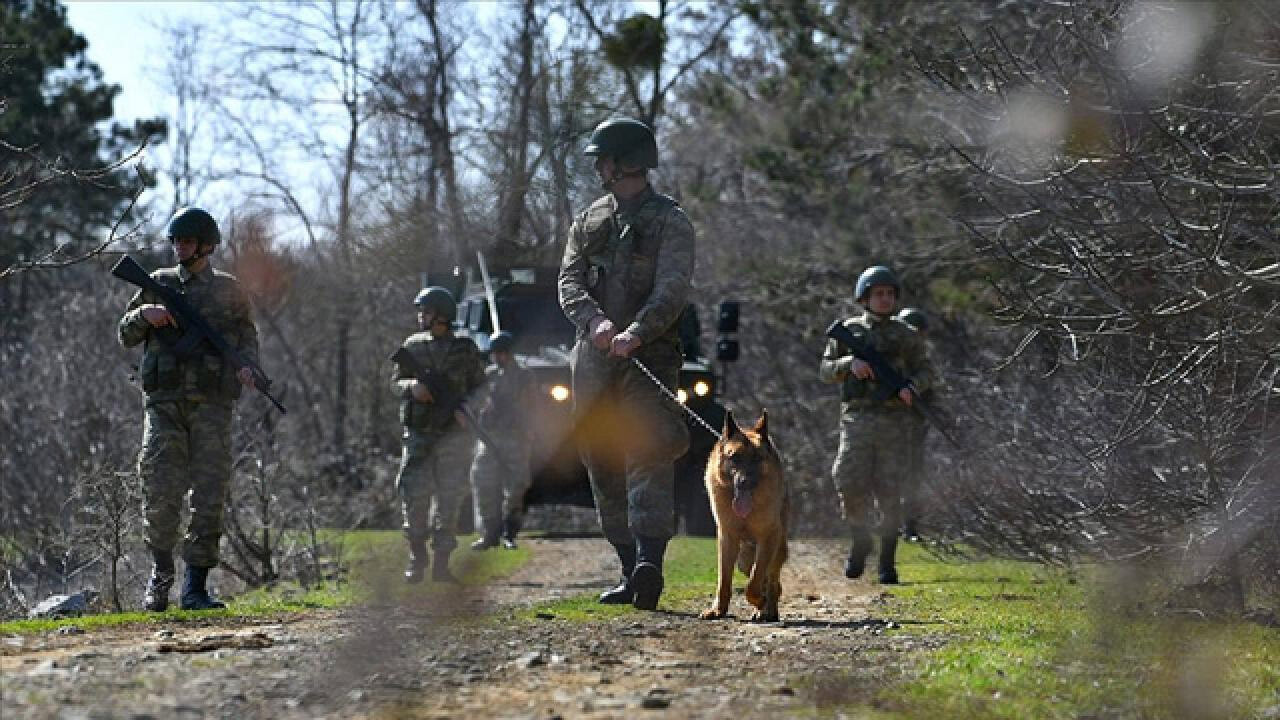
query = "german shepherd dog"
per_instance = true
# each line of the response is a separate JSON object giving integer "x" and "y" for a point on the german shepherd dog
{"x": 749, "y": 499}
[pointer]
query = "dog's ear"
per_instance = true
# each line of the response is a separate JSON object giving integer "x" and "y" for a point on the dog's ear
{"x": 730, "y": 427}
{"x": 762, "y": 425}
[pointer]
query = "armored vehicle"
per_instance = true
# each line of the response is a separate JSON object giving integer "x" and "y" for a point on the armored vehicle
{"x": 528, "y": 307}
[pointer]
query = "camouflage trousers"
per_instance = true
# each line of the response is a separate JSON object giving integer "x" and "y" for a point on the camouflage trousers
{"x": 630, "y": 435}
{"x": 874, "y": 465}
{"x": 433, "y": 483}
{"x": 186, "y": 448}
{"x": 498, "y": 483}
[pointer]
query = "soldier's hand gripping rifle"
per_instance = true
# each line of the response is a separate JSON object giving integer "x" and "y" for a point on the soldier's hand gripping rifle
{"x": 192, "y": 331}
{"x": 445, "y": 397}
{"x": 890, "y": 380}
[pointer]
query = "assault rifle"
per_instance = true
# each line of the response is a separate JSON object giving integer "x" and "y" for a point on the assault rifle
{"x": 890, "y": 380}
{"x": 444, "y": 396}
{"x": 193, "y": 331}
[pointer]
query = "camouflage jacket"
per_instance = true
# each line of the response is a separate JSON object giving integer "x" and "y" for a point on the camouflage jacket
{"x": 205, "y": 376}
{"x": 630, "y": 261}
{"x": 507, "y": 400}
{"x": 900, "y": 345}
{"x": 457, "y": 359}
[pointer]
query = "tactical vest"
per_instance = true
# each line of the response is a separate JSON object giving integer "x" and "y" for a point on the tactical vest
{"x": 889, "y": 339}
{"x": 452, "y": 364}
{"x": 622, "y": 252}
{"x": 201, "y": 373}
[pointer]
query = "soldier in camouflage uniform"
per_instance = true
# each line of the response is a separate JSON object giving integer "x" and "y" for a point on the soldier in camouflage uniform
{"x": 186, "y": 437}
{"x": 876, "y": 453}
{"x": 500, "y": 475}
{"x": 437, "y": 446}
{"x": 624, "y": 281}
{"x": 911, "y": 491}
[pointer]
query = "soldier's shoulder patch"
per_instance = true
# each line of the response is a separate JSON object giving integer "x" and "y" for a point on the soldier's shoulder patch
{"x": 418, "y": 338}
{"x": 599, "y": 213}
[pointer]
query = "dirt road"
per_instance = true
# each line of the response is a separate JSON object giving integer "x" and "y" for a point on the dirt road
{"x": 447, "y": 657}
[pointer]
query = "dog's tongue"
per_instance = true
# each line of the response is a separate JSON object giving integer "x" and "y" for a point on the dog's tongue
{"x": 742, "y": 503}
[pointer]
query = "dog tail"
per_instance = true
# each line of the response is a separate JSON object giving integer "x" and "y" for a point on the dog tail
{"x": 746, "y": 556}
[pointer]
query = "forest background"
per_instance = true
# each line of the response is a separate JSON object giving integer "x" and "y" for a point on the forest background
{"x": 1082, "y": 196}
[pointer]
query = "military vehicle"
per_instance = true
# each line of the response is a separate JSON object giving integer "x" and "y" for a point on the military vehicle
{"x": 528, "y": 307}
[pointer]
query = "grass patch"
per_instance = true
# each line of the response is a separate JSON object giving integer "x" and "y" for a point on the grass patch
{"x": 1027, "y": 641}
{"x": 374, "y": 559}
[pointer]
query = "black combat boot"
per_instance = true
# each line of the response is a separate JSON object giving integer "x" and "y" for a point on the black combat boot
{"x": 910, "y": 531}
{"x": 646, "y": 579}
{"x": 486, "y": 541}
{"x": 417, "y": 560}
{"x": 157, "y": 597}
{"x": 440, "y": 567}
{"x": 622, "y": 594}
{"x": 888, "y": 548}
{"x": 858, "y": 553}
{"x": 510, "y": 528}
{"x": 194, "y": 594}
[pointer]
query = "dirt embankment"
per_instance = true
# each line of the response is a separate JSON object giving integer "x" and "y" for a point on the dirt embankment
{"x": 434, "y": 660}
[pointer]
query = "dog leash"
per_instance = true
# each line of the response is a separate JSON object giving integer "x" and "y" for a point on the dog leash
{"x": 671, "y": 396}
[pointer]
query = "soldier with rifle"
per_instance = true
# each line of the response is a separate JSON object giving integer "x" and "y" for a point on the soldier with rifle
{"x": 882, "y": 367}
{"x": 500, "y": 472}
{"x": 200, "y": 347}
{"x": 435, "y": 371}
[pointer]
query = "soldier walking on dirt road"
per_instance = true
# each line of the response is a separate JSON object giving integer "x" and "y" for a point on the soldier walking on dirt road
{"x": 624, "y": 281}
{"x": 189, "y": 395}
{"x": 437, "y": 446}
{"x": 876, "y": 457}
{"x": 500, "y": 474}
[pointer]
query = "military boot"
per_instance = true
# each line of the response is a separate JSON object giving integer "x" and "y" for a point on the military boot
{"x": 194, "y": 594}
{"x": 510, "y": 528}
{"x": 156, "y": 598}
{"x": 888, "y": 569}
{"x": 858, "y": 553}
{"x": 910, "y": 531}
{"x": 417, "y": 560}
{"x": 486, "y": 541}
{"x": 622, "y": 594}
{"x": 646, "y": 579}
{"x": 440, "y": 567}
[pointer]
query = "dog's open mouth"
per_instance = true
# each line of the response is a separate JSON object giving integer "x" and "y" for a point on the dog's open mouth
{"x": 741, "y": 501}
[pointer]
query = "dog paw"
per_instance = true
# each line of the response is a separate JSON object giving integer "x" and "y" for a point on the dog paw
{"x": 712, "y": 614}
{"x": 761, "y": 616}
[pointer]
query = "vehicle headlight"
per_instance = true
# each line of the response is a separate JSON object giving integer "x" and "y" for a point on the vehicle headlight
{"x": 682, "y": 395}
{"x": 701, "y": 388}
{"x": 559, "y": 393}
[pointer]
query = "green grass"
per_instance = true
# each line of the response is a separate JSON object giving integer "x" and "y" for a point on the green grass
{"x": 375, "y": 561}
{"x": 1025, "y": 641}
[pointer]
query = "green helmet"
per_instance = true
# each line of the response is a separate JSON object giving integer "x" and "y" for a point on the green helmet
{"x": 875, "y": 275}
{"x": 438, "y": 300}
{"x": 502, "y": 342}
{"x": 194, "y": 222}
{"x": 628, "y": 141}
{"x": 915, "y": 318}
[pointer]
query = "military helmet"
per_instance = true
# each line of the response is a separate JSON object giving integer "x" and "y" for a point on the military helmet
{"x": 627, "y": 140}
{"x": 914, "y": 317}
{"x": 875, "y": 275}
{"x": 438, "y": 300}
{"x": 502, "y": 342}
{"x": 194, "y": 222}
